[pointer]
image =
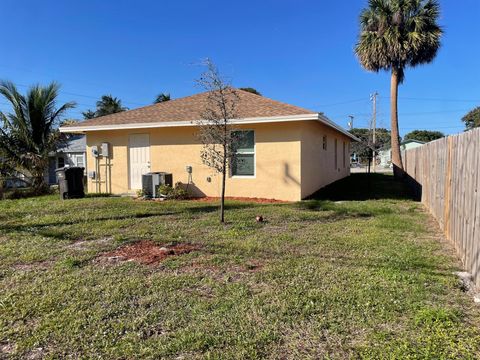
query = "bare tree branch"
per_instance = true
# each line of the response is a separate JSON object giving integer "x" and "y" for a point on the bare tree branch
{"x": 215, "y": 129}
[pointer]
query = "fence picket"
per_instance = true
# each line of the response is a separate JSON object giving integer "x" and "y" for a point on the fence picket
{"x": 448, "y": 171}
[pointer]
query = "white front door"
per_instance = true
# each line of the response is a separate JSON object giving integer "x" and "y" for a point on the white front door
{"x": 139, "y": 158}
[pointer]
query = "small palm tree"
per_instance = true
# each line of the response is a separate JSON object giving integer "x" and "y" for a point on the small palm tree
{"x": 109, "y": 105}
{"x": 251, "y": 90}
{"x": 29, "y": 132}
{"x": 162, "y": 97}
{"x": 89, "y": 114}
{"x": 105, "y": 106}
{"x": 394, "y": 35}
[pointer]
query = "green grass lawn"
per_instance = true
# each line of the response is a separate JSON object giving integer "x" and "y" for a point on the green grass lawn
{"x": 319, "y": 279}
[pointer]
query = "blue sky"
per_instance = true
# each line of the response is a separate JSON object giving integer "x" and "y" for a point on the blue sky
{"x": 300, "y": 52}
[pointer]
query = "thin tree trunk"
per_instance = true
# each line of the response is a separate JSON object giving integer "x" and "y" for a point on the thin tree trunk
{"x": 224, "y": 177}
{"x": 2, "y": 187}
{"x": 395, "y": 140}
{"x": 39, "y": 185}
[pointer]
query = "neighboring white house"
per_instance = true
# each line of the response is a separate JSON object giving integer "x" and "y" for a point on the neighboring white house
{"x": 385, "y": 155}
{"x": 70, "y": 154}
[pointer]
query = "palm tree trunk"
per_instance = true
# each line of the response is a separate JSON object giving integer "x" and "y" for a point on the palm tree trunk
{"x": 39, "y": 167}
{"x": 38, "y": 184}
{"x": 395, "y": 141}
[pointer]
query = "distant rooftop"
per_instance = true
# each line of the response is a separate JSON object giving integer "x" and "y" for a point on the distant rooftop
{"x": 76, "y": 143}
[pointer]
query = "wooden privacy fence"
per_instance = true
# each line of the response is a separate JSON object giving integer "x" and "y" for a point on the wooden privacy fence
{"x": 446, "y": 172}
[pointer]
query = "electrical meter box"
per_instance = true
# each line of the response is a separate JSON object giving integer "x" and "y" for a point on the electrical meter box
{"x": 106, "y": 149}
{"x": 95, "y": 151}
{"x": 188, "y": 168}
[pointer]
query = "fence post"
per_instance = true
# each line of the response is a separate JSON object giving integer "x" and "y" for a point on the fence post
{"x": 448, "y": 188}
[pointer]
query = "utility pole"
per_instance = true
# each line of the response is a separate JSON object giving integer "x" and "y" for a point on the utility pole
{"x": 350, "y": 123}
{"x": 373, "y": 97}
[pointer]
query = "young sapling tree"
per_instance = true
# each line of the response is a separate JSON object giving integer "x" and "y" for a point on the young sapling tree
{"x": 216, "y": 131}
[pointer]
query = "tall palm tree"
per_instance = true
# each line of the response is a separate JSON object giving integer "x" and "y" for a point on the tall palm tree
{"x": 162, "y": 97}
{"x": 29, "y": 132}
{"x": 394, "y": 35}
{"x": 105, "y": 106}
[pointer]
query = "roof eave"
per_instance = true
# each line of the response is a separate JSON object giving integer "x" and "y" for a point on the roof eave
{"x": 149, "y": 125}
{"x": 322, "y": 118}
{"x": 256, "y": 120}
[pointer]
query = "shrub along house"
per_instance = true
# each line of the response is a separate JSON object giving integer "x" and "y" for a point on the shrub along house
{"x": 289, "y": 152}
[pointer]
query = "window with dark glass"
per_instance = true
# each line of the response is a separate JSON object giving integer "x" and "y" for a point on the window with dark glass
{"x": 336, "y": 154}
{"x": 243, "y": 163}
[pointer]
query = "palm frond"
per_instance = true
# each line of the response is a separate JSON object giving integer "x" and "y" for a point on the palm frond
{"x": 28, "y": 134}
{"x": 398, "y": 33}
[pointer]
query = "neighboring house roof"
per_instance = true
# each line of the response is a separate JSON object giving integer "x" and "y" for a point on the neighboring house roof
{"x": 77, "y": 143}
{"x": 412, "y": 140}
{"x": 186, "y": 111}
{"x": 387, "y": 148}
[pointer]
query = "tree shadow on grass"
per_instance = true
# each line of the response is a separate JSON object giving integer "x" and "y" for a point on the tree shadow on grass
{"x": 213, "y": 207}
{"x": 339, "y": 212}
{"x": 32, "y": 227}
{"x": 362, "y": 187}
{"x": 204, "y": 209}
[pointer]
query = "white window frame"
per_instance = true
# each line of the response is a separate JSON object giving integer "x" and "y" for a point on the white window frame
{"x": 76, "y": 156}
{"x": 247, "y": 152}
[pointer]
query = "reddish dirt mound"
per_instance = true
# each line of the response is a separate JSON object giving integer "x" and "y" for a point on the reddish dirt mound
{"x": 245, "y": 199}
{"x": 147, "y": 252}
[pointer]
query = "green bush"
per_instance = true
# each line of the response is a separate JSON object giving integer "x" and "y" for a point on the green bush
{"x": 178, "y": 192}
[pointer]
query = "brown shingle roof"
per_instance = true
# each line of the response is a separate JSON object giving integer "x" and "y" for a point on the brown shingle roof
{"x": 190, "y": 108}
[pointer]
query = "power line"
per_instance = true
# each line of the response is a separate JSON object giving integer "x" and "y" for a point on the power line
{"x": 406, "y": 114}
{"x": 343, "y": 102}
{"x": 436, "y": 99}
{"x": 324, "y": 105}
{"x": 403, "y": 98}
{"x": 87, "y": 96}
{"x": 436, "y": 127}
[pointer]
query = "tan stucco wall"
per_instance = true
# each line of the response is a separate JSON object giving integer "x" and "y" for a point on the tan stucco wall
{"x": 290, "y": 163}
{"x": 277, "y": 161}
{"x": 317, "y": 165}
{"x": 118, "y": 170}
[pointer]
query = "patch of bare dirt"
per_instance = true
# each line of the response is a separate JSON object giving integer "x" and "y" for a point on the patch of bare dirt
{"x": 37, "y": 353}
{"x": 82, "y": 244}
{"x": 7, "y": 349}
{"x": 228, "y": 273}
{"x": 33, "y": 266}
{"x": 147, "y": 252}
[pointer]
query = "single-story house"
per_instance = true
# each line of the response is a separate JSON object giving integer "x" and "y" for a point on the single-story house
{"x": 290, "y": 152}
{"x": 72, "y": 153}
{"x": 385, "y": 155}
